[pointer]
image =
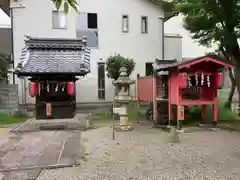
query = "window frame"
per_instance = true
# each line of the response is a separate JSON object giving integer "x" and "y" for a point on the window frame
{"x": 84, "y": 27}
{"x": 59, "y": 13}
{"x": 88, "y": 14}
{"x": 148, "y": 71}
{"x": 123, "y": 17}
{"x": 144, "y": 19}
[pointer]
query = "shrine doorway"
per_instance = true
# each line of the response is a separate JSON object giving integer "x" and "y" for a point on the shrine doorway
{"x": 53, "y": 100}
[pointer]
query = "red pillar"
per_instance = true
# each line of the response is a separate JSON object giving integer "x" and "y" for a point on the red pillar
{"x": 214, "y": 112}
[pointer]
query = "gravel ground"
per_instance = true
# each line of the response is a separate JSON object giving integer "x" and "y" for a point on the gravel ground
{"x": 145, "y": 154}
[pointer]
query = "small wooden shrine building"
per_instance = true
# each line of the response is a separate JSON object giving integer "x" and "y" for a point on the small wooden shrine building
{"x": 52, "y": 66}
{"x": 194, "y": 82}
{"x": 182, "y": 84}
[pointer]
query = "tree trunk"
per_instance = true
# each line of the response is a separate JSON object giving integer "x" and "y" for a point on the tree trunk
{"x": 237, "y": 77}
{"x": 232, "y": 90}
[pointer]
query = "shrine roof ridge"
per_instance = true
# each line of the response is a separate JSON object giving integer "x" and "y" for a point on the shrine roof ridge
{"x": 56, "y": 43}
{"x": 216, "y": 59}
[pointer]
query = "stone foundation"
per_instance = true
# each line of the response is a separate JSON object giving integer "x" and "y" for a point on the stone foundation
{"x": 79, "y": 122}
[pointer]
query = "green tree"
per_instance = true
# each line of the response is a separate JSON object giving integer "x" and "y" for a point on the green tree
{"x": 215, "y": 21}
{"x": 5, "y": 62}
{"x": 114, "y": 63}
{"x": 66, "y": 4}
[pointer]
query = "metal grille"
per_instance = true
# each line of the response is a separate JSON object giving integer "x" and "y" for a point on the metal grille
{"x": 101, "y": 81}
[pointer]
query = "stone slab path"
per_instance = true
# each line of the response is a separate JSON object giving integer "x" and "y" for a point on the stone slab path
{"x": 144, "y": 154}
{"x": 20, "y": 152}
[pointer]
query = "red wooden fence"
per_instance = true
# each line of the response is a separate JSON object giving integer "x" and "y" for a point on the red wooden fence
{"x": 147, "y": 91}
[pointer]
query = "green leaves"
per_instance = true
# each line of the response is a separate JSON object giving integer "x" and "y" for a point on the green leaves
{"x": 204, "y": 19}
{"x": 66, "y": 4}
{"x": 58, "y": 4}
{"x": 114, "y": 63}
{"x": 4, "y": 64}
{"x": 66, "y": 7}
{"x": 74, "y": 5}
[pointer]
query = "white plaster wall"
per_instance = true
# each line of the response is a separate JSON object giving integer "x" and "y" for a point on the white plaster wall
{"x": 35, "y": 19}
{"x": 172, "y": 47}
{"x": 141, "y": 47}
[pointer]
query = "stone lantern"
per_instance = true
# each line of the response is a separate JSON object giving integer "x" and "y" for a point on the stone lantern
{"x": 123, "y": 98}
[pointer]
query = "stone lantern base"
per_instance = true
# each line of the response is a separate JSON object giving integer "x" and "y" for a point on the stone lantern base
{"x": 124, "y": 125}
{"x": 124, "y": 128}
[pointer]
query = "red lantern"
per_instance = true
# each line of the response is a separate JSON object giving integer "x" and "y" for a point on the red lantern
{"x": 32, "y": 89}
{"x": 181, "y": 81}
{"x": 70, "y": 88}
{"x": 218, "y": 79}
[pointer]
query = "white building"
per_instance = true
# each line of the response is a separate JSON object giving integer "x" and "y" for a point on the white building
{"x": 132, "y": 28}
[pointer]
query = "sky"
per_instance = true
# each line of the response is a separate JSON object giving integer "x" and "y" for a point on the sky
{"x": 190, "y": 47}
{"x": 174, "y": 25}
{"x": 4, "y": 19}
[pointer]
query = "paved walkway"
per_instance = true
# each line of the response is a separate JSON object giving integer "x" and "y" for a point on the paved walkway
{"x": 144, "y": 154}
{"x": 35, "y": 149}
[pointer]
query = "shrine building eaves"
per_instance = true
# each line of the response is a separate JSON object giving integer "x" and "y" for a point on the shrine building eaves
{"x": 183, "y": 64}
{"x": 42, "y": 56}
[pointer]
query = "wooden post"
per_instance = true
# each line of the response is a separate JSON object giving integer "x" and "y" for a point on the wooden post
{"x": 154, "y": 97}
{"x": 180, "y": 116}
{"x": 137, "y": 94}
{"x": 113, "y": 131}
{"x": 204, "y": 113}
{"x": 214, "y": 113}
{"x": 169, "y": 100}
{"x": 48, "y": 109}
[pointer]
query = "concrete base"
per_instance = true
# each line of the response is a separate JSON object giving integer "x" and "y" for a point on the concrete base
{"x": 81, "y": 121}
{"x": 173, "y": 136}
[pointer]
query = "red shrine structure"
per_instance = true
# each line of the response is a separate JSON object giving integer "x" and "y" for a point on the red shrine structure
{"x": 185, "y": 83}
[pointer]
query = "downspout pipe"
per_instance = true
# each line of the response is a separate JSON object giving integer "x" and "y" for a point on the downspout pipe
{"x": 162, "y": 29}
{"x": 12, "y": 36}
{"x": 165, "y": 19}
{"x": 12, "y": 44}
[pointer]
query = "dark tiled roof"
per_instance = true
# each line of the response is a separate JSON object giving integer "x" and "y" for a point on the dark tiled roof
{"x": 47, "y": 55}
{"x": 178, "y": 63}
{"x": 161, "y": 64}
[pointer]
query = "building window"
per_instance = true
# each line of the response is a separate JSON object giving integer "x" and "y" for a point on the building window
{"x": 125, "y": 23}
{"x": 144, "y": 24}
{"x": 101, "y": 81}
{"x": 87, "y": 25}
{"x": 148, "y": 69}
{"x": 59, "y": 20}
{"x": 92, "y": 20}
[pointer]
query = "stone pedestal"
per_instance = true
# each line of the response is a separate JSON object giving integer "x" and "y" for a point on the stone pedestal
{"x": 124, "y": 124}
